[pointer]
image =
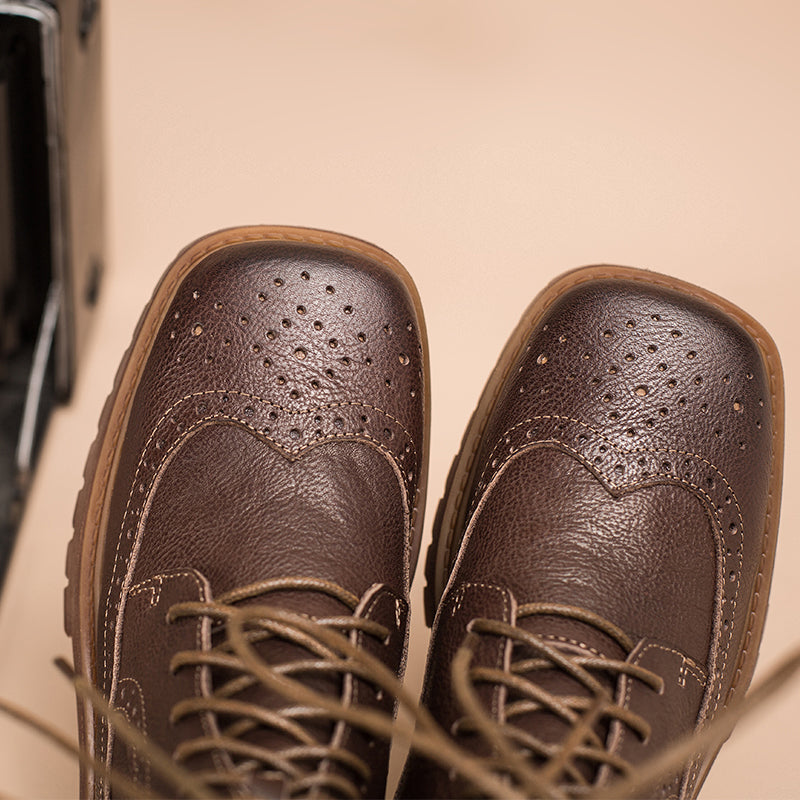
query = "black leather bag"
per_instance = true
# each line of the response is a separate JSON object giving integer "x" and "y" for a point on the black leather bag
{"x": 51, "y": 223}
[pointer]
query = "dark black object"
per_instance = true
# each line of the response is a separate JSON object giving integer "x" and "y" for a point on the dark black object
{"x": 51, "y": 242}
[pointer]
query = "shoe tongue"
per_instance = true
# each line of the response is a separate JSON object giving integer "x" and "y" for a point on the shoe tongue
{"x": 280, "y": 653}
{"x": 576, "y": 641}
{"x": 306, "y": 602}
{"x": 572, "y": 636}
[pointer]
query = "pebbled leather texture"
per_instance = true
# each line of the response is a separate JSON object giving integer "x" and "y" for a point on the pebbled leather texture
{"x": 628, "y": 466}
{"x": 276, "y": 428}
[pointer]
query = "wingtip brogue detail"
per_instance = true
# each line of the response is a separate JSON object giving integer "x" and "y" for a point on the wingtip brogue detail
{"x": 267, "y": 429}
{"x": 625, "y": 460}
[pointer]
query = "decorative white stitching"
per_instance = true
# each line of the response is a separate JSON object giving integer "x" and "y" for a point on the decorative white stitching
{"x": 496, "y": 693}
{"x": 688, "y": 666}
{"x": 725, "y": 638}
{"x": 163, "y": 295}
{"x": 143, "y": 728}
{"x": 140, "y": 588}
{"x": 564, "y": 640}
{"x": 109, "y": 618}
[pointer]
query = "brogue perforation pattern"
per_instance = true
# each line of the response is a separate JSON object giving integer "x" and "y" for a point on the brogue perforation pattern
{"x": 646, "y": 373}
{"x": 304, "y": 429}
{"x": 301, "y": 337}
{"x": 300, "y": 344}
{"x": 660, "y": 395}
{"x": 622, "y": 471}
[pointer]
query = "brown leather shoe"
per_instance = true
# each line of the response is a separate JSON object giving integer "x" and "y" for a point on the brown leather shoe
{"x": 605, "y": 545}
{"x": 264, "y": 448}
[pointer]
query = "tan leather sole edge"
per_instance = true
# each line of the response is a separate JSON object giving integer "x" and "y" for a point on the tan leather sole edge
{"x": 92, "y": 502}
{"x": 453, "y": 505}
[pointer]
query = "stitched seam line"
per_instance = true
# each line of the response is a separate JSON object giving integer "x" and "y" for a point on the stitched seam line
{"x": 666, "y": 478}
{"x": 719, "y": 673}
{"x": 164, "y": 293}
{"x": 137, "y": 760}
{"x": 501, "y": 654}
{"x": 198, "y": 423}
{"x": 629, "y": 683}
{"x": 198, "y": 643}
{"x": 299, "y": 451}
{"x": 582, "y": 645}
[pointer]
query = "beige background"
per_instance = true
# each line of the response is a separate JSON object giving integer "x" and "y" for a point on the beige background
{"x": 489, "y": 146}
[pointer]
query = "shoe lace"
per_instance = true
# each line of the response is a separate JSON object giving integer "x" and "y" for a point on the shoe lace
{"x": 244, "y": 628}
{"x": 574, "y": 761}
{"x": 512, "y": 775}
{"x": 236, "y": 740}
{"x": 523, "y": 777}
{"x": 565, "y": 768}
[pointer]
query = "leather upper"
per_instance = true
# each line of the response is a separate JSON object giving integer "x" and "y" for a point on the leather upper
{"x": 625, "y": 468}
{"x": 276, "y": 430}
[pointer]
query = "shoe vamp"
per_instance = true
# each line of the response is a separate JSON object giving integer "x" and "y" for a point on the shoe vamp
{"x": 237, "y": 510}
{"x": 645, "y": 559}
{"x": 233, "y": 509}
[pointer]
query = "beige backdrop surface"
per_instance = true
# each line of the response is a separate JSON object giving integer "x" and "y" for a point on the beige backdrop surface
{"x": 489, "y": 146}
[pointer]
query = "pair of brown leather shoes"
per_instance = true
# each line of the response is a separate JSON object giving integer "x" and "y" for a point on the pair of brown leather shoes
{"x": 252, "y": 514}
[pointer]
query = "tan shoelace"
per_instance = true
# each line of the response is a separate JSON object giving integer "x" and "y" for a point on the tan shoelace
{"x": 299, "y": 761}
{"x": 428, "y": 739}
{"x": 558, "y": 765}
{"x": 243, "y": 628}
